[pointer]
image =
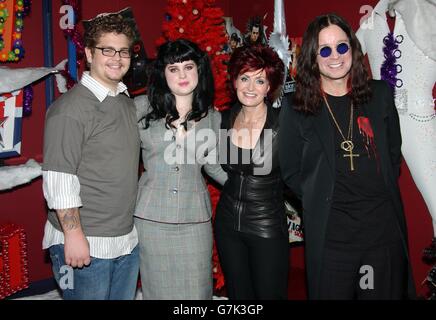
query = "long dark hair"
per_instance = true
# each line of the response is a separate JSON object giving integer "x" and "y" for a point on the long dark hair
{"x": 162, "y": 101}
{"x": 308, "y": 95}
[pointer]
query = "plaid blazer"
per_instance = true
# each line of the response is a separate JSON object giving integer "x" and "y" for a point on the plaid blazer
{"x": 172, "y": 188}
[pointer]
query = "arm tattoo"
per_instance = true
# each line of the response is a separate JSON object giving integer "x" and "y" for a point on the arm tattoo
{"x": 69, "y": 219}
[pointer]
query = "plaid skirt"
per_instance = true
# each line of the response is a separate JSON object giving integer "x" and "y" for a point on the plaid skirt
{"x": 175, "y": 260}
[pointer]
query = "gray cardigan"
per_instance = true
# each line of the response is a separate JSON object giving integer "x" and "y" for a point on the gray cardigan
{"x": 172, "y": 188}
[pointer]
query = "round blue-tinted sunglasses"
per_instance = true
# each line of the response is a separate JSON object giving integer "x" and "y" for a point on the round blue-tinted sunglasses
{"x": 341, "y": 48}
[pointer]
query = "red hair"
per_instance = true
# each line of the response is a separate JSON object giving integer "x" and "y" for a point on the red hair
{"x": 253, "y": 58}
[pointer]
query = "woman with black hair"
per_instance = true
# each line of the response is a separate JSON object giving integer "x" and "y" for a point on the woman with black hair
{"x": 179, "y": 135}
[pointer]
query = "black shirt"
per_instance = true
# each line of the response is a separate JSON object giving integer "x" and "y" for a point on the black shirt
{"x": 239, "y": 157}
{"x": 252, "y": 200}
{"x": 361, "y": 214}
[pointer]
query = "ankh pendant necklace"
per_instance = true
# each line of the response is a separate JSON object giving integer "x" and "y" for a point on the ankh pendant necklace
{"x": 347, "y": 143}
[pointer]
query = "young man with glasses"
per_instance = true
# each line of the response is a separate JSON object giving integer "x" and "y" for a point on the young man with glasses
{"x": 340, "y": 153}
{"x": 91, "y": 152}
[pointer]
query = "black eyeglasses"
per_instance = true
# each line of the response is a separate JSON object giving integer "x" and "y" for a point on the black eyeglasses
{"x": 341, "y": 48}
{"x": 110, "y": 52}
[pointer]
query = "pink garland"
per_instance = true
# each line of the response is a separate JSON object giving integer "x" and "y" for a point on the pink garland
{"x": 76, "y": 38}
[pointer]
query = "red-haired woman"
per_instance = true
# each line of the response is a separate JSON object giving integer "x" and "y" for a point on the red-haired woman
{"x": 250, "y": 227}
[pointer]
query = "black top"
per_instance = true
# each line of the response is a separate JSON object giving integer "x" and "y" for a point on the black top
{"x": 252, "y": 198}
{"x": 239, "y": 157}
{"x": 361, "y": 213}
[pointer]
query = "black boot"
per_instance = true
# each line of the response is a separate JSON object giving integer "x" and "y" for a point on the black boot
{"x": 429, "y": 253}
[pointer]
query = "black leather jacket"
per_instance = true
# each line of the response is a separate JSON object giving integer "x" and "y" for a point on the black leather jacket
{"x": 253, "y": 202}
